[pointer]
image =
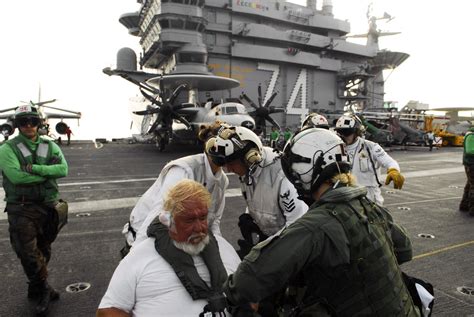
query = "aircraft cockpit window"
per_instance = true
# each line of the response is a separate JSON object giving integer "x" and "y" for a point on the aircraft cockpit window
{"x": 191, "y": 58}
{"x": 230, "y": 110}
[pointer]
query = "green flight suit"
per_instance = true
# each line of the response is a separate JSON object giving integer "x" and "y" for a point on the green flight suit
{"x": 467, "y": 201}
{"x": 343, "y": 252}
{"x": 30, "y": 198}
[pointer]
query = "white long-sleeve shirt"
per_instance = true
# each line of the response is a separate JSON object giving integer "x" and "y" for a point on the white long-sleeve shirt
{"x": 150, "y": 204}
{"x": 362, "y": 153}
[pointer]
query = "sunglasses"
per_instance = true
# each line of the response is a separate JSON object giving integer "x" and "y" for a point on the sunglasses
{"x": 33, "y": 121}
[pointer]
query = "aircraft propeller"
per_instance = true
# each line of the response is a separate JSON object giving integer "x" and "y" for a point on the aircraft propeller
{"x": 164, "y": 109}
{"x": 262, "y": 112}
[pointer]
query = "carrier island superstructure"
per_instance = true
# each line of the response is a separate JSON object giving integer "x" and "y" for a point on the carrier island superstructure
{"x": 301, "y": 52}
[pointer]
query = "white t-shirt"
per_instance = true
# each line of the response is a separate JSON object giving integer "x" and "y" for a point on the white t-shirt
{"x": 144, "y": 284}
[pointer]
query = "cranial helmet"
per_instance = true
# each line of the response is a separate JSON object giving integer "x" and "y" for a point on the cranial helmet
{"x": 349, "y": 124}
{"x": 26, "y": 111}
{"x": 232, "y": 143}
{"x": 315, "y": 120}
{"x": 312, "y": 157}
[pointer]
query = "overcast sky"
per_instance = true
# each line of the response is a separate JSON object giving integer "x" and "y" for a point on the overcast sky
{"x": 64, "y": 45}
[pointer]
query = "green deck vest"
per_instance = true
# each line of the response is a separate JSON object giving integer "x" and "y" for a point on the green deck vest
{"x": 376, "y": 287}
{"x": 468, "y": 153}
{"x": 31, "y": 193}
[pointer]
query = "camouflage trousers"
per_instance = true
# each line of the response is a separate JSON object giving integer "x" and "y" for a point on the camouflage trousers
{"x": 467, "y": 202}
{"x": 32, "y": 231}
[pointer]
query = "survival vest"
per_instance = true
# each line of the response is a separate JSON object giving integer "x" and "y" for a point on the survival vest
{"x": 376, "y": 285}
{"x": 468, "y": 154}
{"x": 30, "y": 193}
{"x": 183, "y": 264}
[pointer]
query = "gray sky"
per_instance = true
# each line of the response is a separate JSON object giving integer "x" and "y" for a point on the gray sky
{"x": 65, "y": 44}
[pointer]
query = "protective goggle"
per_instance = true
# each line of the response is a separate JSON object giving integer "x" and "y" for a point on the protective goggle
{"x": 24, "y": 121}
{"x": 346, "y": 131}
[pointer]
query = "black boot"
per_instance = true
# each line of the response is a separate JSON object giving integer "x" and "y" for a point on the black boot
{"x": 47, "y": 294}
{"x": 34, "y": 290}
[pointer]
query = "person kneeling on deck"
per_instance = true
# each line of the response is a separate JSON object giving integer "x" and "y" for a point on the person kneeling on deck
{"x": 198, "y": 167}
{"x": 341, "y": 258}
{"x": 180, "y": 269}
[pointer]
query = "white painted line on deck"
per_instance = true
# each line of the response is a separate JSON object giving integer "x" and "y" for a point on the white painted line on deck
{"x": 108, "y": 204}
{"x": 129, "y": 202}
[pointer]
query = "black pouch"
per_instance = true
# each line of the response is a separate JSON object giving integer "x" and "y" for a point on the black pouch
{"x": 62, "y": 209}
{"x": 410, "y": 283}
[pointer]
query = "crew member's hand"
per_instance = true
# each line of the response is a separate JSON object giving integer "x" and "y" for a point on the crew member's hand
{"x": 27, "y": 168}
{"x": 394, "y": 175}
{"x": 54, "y": 160}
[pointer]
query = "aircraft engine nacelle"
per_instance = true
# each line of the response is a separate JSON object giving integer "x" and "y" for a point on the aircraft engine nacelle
{"x": 61, "y": 128}
{"x": 7, "y": 129}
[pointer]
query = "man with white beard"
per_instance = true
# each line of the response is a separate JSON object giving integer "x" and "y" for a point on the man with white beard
{"x": 180, "y": 269}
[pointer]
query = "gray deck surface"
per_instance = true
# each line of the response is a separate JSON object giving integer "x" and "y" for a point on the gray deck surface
{"x": 104, "y": 184}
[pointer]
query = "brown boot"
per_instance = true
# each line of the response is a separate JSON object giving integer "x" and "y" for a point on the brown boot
{"x": 47, "y": 294}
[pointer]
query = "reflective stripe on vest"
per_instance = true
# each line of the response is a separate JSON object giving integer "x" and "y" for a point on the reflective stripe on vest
{"x": 35, "y": 192}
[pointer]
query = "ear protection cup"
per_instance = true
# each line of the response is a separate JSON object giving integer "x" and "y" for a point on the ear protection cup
{"x": 253, "y": 156}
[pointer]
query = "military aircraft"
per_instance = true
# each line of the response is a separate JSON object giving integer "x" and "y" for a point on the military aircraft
{"x": 168, "y": 118}
{"x": 8, "y": 127}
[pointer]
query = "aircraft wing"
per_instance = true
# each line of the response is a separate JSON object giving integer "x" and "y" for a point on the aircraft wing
{"x": 452, "y": 109}
{"x": 189, "y": 113}
{"x": 6, "y": 116}
{"x": 61, "y": 116}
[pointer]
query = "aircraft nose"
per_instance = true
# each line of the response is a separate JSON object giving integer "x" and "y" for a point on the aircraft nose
{"x": 248, "y": 124}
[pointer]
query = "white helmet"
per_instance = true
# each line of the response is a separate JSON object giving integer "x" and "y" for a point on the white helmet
{"x": 312, "y": 157}
{"x": 349, "y": 124}
{"x": 315, "y": 120}
{"x": 232, "y": 143}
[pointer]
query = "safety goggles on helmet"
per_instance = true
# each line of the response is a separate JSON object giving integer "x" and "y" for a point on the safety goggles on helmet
{"x": 346, "y": 131}
{"x": 27, "y": 120}
{"x": 312, "y": 157}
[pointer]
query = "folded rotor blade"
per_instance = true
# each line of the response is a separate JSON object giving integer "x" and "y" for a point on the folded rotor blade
{"x": 176, "y": 93}
{"x": 260, "y": 95}
{"x": 250, "y": 101}
{"x": 269, "y": 101}
{"x": 273, "y": 122}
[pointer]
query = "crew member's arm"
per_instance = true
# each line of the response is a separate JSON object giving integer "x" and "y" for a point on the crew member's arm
{"x": 401, "y": 241}
{"x": 269, "y": 265}
{"x": 119, "y": 299}
{"x": 216, "y": 225}
{"x": 393, "y": 169}
{"x": 112, "y": 312}
{"x": 56, "y": 168}
{"x": 11, "y": 167}
{"x": 292, "y": 207}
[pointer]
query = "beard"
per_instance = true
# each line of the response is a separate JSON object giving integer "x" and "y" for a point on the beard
{"x": 192, "y": 249}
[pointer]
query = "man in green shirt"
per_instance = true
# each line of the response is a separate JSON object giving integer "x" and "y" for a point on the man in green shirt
{"x": 30, "y": 166}
{"x": 274, "y": 136}
{"x": 467, "y": 201}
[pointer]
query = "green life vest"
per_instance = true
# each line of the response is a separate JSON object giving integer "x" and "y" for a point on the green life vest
{"x": 376, "y": 286}
{"x": 46, "y": 191}
{"x": 183, "y": 264}
{"x": 468, "y": 154}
